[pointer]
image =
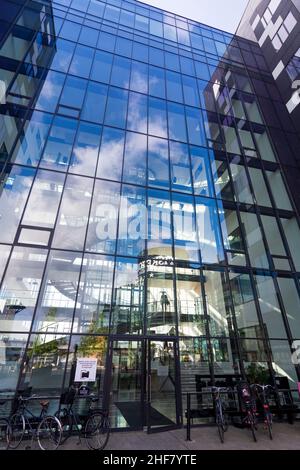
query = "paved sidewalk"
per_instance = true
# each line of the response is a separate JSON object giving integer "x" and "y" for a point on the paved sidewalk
{"x": 286, "y": 437}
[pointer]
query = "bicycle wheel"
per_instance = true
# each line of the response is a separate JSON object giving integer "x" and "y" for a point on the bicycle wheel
{"x": 16, "y": 430}
{"x": 3, "y": 434}
{"x": 49, "y": 433}
{"x": 220, "y": 430}
{"x": 66, "y": 421}
{"x": 269, "y": 424}
{"x": 252, "y": 425}
{"x": 97, "y": 430}
{"x": 219, "y": 422}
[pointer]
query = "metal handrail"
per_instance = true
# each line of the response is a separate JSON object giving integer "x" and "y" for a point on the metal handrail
{"x": 231, "y": 391}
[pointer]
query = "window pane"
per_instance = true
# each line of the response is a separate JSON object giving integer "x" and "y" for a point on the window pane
{"x": 209, "y": 231}
{"x": 282, "y": 364}
{"x": 30, "y": 145}
{"x": 63, "y": 55}
{"x": 95, "y": 288}
{"x": 185, "y": 234}
{"x": 190, "y": 91}
{"x": 85, "y": 151}
{"x": 4, "y": 254}
{"x": 158, "y": 162}
{"x": 159, "y": 223}
{"x": 111, "y": 154}
{"x": 280, "y": 195}
{"x": 254, "y": 240}
{"x": 221, "y": 179}
{"x": 11, "y": 360}
{"x": 82, "y": 61}
{"x": 94, "y": 105}
{"x": 102, "y": 230}
{"x": 269, "y": 306}
{"x": 44, "y": 199}
{"x": 120, "y": 72}
{"x": 13, "y": 195}
{"x": 137, "y": 112}
{"x": 50, "y": 92}
{"x": 128, "y": 301}
{"x": 240, "y": 183}
{"x": 73, "y": 92}
{"x": 73, "y": 214}
{"x": 273, "y": 236}
{"x": 195, "y": 126}
{"x": 177, "y": 127}
{"x": 45, "y": 365}
{"x": 139, "y": 77}
{"x": 132, "y": 222}
{"x": 292, "y": 233}
{"x": 20, "y": 288}
{"x": 218, "y": 310}
{"x": 59, "y": 145}
{"x": 201, "y": 172}
{"x": 244, "y": 306}
{"x": 102, "y": 66}
{"x": 291, "y": 301}
{"x": 259, "y": 187}
{"x": 58, "y": 293}
{"x": 174, "y": 86}
{"x": 189, "y": 302}
{"x": 88, "y": 36}
{"x": 134, "y": 170}
{"x": 180, "y": 167}
{"x": 157, "y": 86}
{"x": 157, "y": 124}
{"x": 116, "y": 107}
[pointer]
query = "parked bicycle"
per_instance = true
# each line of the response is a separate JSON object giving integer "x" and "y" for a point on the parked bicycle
{"x": 248, "y": 405}
{"x": 220, "y": 415}
{"x": 94, "y": 428}
{"x": 262, "y": 392}
{"x": 24, "y": 424}
{"x": 3, "y": 430}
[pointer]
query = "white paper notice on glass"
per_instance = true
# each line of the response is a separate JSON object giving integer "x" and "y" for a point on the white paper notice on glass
{"x": 86, "y": 369}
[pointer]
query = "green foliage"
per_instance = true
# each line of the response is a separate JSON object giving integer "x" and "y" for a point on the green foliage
{"x": 257, "y": 373}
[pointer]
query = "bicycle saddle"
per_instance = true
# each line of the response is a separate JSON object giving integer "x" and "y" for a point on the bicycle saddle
{"x": 44, "y": 403}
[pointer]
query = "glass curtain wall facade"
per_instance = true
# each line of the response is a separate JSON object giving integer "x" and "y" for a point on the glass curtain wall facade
{"x": 145, "y": 219}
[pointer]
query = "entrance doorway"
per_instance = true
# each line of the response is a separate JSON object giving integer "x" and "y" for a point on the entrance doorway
{"x": 143, "y": 383}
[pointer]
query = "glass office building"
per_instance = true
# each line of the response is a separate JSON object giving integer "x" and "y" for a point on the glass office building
{"x": 146, "y": 219}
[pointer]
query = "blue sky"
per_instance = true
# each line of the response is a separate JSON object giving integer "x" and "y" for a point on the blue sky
{"x": 223, "y": 14}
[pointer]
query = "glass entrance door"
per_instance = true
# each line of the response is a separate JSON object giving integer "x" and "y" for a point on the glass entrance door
{"x": 163, "y": 404}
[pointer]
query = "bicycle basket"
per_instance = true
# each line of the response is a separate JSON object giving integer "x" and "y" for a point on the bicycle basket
{"x": 244, "y": 392}
{"x": 68, "y": 396}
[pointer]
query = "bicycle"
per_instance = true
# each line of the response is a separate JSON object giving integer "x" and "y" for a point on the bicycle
{"x": 262, "y": 391}
{"x": 249, "y": 407}
{"x": 47, "y": 429}
{"x": 95, "y": 428}
{"x": 220, "y": 416}
{"x": 4, "y": 423}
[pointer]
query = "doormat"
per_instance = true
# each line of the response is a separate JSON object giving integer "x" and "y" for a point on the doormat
{"x": 132, "y": 412}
